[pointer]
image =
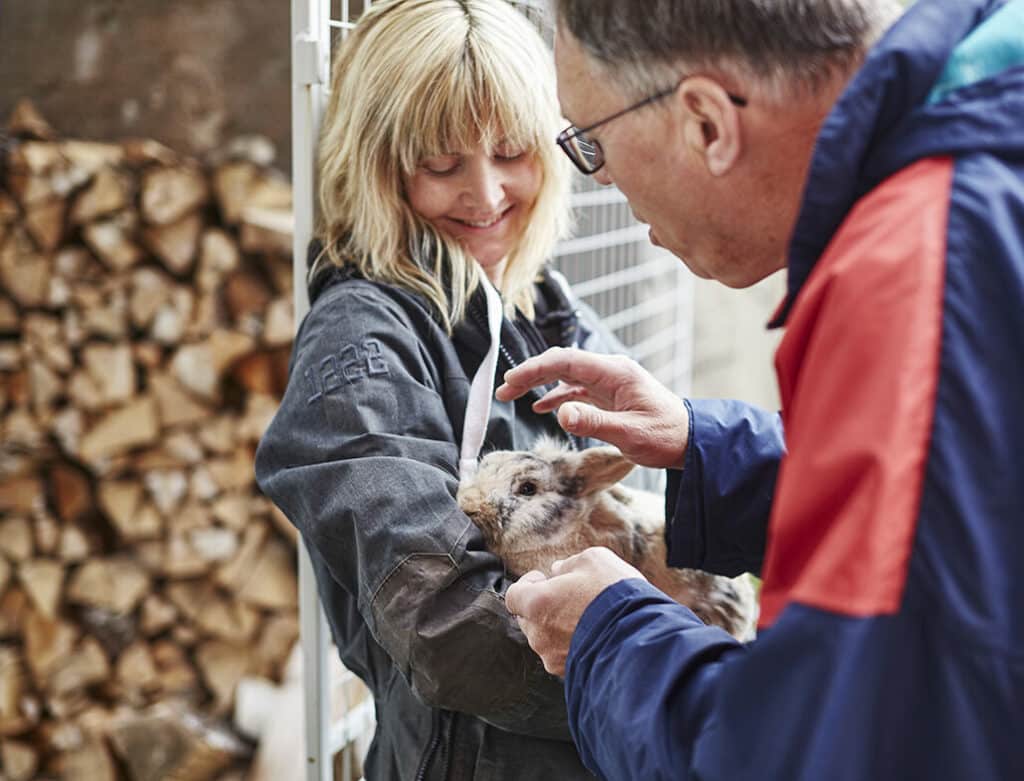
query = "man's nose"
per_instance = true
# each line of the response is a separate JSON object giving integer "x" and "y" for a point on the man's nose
{"x": 601, "y": 176}
{"x": 486, "y": 186}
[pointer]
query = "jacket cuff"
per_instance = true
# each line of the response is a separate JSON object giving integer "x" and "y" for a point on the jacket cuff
{"x": 606, "y": 606}
{"x": 684, "y": 508}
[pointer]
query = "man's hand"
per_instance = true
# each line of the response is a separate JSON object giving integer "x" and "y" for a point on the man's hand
{"x": 622, "y": 404}
{"x": 549, "y": 609}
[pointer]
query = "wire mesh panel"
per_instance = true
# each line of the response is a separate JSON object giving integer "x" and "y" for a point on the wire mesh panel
{"x": 643, "y": 294}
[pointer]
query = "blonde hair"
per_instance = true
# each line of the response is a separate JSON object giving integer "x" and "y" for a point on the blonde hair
{"x": 419, "y": 78}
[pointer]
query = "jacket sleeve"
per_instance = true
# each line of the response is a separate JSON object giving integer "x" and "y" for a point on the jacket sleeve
{"x": 717, "y": 506}
{"x": 362, "y": 458}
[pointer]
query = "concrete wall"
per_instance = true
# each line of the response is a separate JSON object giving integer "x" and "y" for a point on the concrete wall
{"x": 733, "y": 352}
{"x": 190, "y": 73}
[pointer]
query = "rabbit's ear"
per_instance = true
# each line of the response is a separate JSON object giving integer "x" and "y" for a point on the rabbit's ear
{"x": 598, "y": 468}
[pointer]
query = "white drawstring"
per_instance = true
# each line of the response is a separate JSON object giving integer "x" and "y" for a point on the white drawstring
{"x": 481, "y": 390}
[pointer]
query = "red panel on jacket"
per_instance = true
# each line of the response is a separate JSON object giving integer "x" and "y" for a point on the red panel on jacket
{"x": 858, "y": 371}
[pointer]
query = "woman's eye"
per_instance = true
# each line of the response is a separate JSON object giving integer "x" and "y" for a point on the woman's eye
{"x": 441, "y": 166}
{"x": 527, "y": 488}
{"x": 509, "y": 153}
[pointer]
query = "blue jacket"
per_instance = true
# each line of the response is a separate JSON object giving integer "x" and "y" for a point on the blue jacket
{"x": 891, "y": 643}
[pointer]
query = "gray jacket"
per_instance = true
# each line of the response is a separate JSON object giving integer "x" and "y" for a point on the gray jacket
{"x": 362, "y": 456}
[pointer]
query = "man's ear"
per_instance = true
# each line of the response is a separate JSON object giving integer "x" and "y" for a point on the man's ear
{"x": 711, "y": 123}
{"x": 598, "y": 468}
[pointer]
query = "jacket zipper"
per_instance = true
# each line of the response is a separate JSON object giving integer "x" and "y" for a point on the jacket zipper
{"x": 435, "y": 741}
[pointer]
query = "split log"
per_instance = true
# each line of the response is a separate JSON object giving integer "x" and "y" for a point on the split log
{"x": 279, "y": 327}
{"x": 19, "y": 760}
{"x": 240, "y": 185}
{"x": 24, "y": 273}
{"x": 9, "y": 320}
{"x": 14, "y": 611}
{"x": 71, "y": 491}
{"x": 136, "y": 671}
{"x": 121, "y": 500}
{"x": 27, "y": 122}
{"x": 45, "y": 222}
{"x": 85, "y": 666}
{"x": 106, "y": 194}
{"x": 157, "y": 615}
{"x": 129, "y": 426}
{"x": 47, "y": 643}
{"x": 175, "y": 244}
{"x": 111, "y": 240}
{"x": 114, "y": 583}
{"x": 169, "y": 193}
{"x": 46, "y": 531}
{"x": 74, "y": 545}
{"x": 13, "y": 688}
{"x": 90, "y": 761}
{"x": 222, "y": 666}
{"x": 173, "y": 743}
{"x": 176, "y": 406}
{"x": 16, "y": 537}
{"x": 43, "y": 338}
{"x": 218, "y": 256}
{"x": 43, "y": 580}
{"x": 112, "y": 370}
{"x": 269, "y": 582}
{"x": 21, "y": 494}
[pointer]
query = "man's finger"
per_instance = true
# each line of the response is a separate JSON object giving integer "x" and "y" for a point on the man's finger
{"x": 559, "y": 395}
{"x": 586, "y": 420}
{"x": 520, "y": 595}
{"x": 572, "y": 366}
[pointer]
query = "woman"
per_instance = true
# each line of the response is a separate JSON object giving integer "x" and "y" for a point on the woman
{"x": 439, "y": 178}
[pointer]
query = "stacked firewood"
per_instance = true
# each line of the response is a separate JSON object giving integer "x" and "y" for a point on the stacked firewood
{"x": 145, "y": 326}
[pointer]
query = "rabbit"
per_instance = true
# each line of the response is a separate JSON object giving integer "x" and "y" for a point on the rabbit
{"x": 534, "y": 507}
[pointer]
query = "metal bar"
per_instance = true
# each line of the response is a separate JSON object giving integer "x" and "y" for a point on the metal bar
{"x": 643, "y": 310}
{"x": 652, "y": 345}
{"x": 602, "y": 240}
{"x": 630, "y": 275}
{"x": 602, "y": 197}
{"x": 308, "y": 72}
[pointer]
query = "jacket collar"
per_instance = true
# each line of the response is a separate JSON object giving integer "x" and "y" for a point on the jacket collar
{"x": 884, "y": 121}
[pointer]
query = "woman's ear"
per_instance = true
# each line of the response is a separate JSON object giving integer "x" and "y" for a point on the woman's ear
{"x": 711, "y": 123}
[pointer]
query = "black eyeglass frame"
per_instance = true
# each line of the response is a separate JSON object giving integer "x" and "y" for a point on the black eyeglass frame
{"x": 566, "y": 137}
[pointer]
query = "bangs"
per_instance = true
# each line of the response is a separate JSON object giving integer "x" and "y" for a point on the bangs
{"x": 473, "y": 95}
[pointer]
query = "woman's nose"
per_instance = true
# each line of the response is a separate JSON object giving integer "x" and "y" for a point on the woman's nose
{"x": 485, "y": 187}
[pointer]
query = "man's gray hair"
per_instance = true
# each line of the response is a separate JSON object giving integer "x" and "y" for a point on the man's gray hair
{"x": 783, "y": 44}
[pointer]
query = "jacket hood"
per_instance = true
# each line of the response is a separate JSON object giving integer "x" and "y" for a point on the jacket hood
{"x": 947, "y": 79}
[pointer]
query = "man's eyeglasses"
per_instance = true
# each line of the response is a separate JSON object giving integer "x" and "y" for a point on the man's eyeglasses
{"x": 586, "y": 152}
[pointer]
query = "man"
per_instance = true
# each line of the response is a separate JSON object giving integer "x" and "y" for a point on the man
{"x": 889, "y": 176}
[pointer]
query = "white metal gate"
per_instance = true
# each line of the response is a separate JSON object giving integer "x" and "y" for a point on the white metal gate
{"x": 643, "y": 293}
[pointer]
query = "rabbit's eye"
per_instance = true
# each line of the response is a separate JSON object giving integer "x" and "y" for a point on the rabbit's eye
{"x": 527, "y": 488}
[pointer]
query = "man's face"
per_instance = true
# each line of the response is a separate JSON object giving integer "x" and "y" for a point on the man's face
{"x": 707, "y": 221}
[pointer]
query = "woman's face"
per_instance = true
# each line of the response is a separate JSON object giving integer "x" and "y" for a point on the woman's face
{"x": 481, "y": 200}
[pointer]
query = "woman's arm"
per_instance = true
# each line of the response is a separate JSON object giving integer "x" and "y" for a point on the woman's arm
{"x": 362, "y": 458}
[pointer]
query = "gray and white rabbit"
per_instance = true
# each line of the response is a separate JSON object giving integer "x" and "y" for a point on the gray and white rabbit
{"x": 537, "y": 506}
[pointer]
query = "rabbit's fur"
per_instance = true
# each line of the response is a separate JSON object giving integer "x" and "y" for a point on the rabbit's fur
{"x": 548, "y": 503}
